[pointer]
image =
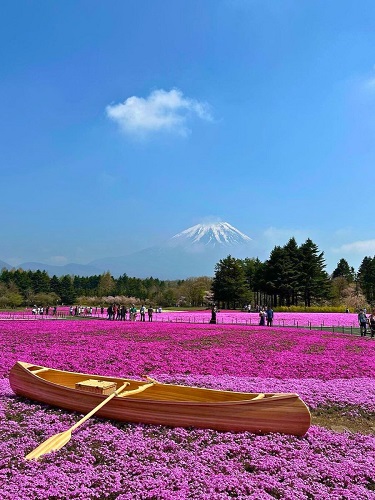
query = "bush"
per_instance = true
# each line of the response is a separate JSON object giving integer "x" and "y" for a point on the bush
{"x": 317, "y": 309}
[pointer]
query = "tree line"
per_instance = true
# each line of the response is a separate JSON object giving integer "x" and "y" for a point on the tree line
{"x": 293, "y": 275}
{"x": 26, "y": 288}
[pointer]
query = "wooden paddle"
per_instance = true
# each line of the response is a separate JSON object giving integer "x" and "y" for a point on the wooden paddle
{"x": 151, "y": 379}
{"x": 59, "y": 440}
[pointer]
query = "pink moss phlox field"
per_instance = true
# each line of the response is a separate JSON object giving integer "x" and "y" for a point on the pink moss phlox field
{"x": 109, "y": 460}
{"x": 300, "y": 319}
{"x": 125, "y": 348}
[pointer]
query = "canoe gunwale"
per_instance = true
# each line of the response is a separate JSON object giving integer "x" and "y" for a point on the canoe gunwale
{"x": 284, "y": 413}
{"x": 264, "y": 400}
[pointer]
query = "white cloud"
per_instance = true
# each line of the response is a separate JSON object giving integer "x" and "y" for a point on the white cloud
{"x": 366, "y": 82}
{"x": 161, "y": 111}
{"x": 279, "y": 236}
{"x": 358, "y": 247}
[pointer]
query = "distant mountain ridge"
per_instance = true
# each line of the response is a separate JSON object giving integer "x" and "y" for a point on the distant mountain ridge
{"x": 70, "y": 269}
{"x": 192, "y": 252}
{"x": 4, "y": 265}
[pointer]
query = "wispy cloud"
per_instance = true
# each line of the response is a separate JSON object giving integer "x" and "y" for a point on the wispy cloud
{"x": 280, "y": 236}
{"x": 358, "y": 247}
{"x": 365, "y": 82}
{"x": 161, "y": 111}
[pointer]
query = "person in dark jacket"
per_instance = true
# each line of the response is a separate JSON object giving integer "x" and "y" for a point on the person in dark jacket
{"x": 213, "y": 315}
{"x": 262, "y": 317}
{"x": 372, "y": 323}
{"x": 269, "y": 314}
{"x": 362, "y": 320}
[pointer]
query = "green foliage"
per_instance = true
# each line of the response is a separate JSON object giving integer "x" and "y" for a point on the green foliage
{"x": 313, "y": 278}
{"x": 67, "y": 293}
{"x": 48, "y": 299}
{"x": 11, "y": 299}
{"x": 343, "y": 270}
{"x": 317, "y": 309}
{"x": 292, "y": 278}
{"x": 366, "y": 278}
{"x": 229, "y": 285}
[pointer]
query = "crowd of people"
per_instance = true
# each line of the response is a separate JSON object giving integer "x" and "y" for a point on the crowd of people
{"x": 266, "y": 315}
{"x": 122, "y": 313}
{"x": 366, "y": 322}
{"x": 83, "y": 311}
{"x": 43, "y": 310}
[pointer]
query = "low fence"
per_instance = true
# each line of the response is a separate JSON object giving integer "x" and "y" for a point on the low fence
{"x": 30, "y": 317}
{"x": 203, "y": 318}
{"x": 278, "y": 323}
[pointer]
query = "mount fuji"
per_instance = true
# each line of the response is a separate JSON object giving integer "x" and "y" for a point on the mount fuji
{"x": 214, "y": 235}
{"x": 192, "y": 252}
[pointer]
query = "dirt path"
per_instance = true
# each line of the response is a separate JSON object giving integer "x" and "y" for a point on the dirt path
{"x": 336, "y": 421}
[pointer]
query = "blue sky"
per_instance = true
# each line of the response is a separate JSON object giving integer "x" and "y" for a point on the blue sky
{"x": 124, "y": 123}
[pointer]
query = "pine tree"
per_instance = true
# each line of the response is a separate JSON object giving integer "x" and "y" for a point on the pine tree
{"x": 229, "y": 284}
{"x": 344, "y": 271}
{"x": 314, "y": 279}
{"x": 366, "y": 278}
{"x": 275, "y": 275}
{"x": 67, "y": 292}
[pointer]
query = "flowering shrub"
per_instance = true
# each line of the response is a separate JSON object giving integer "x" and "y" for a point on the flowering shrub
{"x": 109, "y": 460}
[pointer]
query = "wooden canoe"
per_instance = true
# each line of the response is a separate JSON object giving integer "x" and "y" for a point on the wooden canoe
{"x": 166, "y": 404}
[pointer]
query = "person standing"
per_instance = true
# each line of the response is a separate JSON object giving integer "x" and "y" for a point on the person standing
{"x": 133, "y": 313}
{"x": 213, "y": 315}
{"x": 149, "y": 313}
{"x": 262, "y": 316}
{"x": 372, "y": 323}
{"x": 122, "y": 313}
{"x": 362, "y": 320}
{"x": 142, "y": 312}
{"x": 109, "y": 312}
{"x": 269, "y": 314}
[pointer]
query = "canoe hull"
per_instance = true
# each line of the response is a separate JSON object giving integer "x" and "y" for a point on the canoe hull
{"x": 285, "y": 413}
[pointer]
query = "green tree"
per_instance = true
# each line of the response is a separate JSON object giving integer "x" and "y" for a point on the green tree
{"x": 292, "y": 272}
{"x": 274, "y": 274}
{"x": 67, "y": 292}
{"x": 106, "y": 285}
{"x": 229, "y": 284}
{"x": 253, "y": 269}
{"x": 40, "y": 282}
{"x": 195, "y": 289}
{"x": 314, "y": 281}
{"x": 46, "y": 299}
{"x": 14, "y": 299}
{"x": 55, "y": 285}
{"x": 343, "y": 270}
{"x": 366, "y": 278}
{"x": 168, "y": 298}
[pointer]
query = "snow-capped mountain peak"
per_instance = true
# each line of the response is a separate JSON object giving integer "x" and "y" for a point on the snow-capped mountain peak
{"x": 212, "y": 234}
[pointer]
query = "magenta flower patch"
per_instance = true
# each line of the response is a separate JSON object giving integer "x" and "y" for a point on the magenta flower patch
{"x": 108, "y": 460}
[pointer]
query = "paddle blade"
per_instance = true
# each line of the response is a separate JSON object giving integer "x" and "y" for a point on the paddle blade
{"x": 51, "y": 444}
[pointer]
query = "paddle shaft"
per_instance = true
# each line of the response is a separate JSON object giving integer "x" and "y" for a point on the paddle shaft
{"x": 116, "y": 393}
{"x": 151, "y": 379}
{"x": 97, "y": 408}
